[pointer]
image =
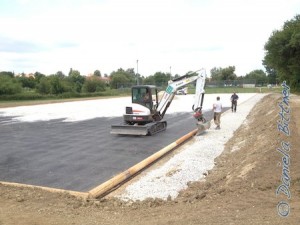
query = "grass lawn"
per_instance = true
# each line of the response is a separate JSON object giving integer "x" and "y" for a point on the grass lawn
{"x": 208, "y": 90}
{"x": 212, "y": 90}
{"x": 14, "y": 103}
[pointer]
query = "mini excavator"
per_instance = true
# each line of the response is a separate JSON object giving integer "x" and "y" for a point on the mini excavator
{"x": 145, "y": 115}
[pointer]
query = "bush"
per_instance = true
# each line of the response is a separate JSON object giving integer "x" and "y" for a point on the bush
{"x": 23, "y": 96}
{"x": 9, "y": 86}
{"x": 93, "y": 84}
{"x": 44, "y": 86}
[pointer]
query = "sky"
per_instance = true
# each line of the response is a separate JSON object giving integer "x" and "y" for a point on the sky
{"x": 170, "y": 36}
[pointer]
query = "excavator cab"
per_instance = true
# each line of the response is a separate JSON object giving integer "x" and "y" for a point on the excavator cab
{"x": 139, "y": 118}
{"x": 145, "y": 95}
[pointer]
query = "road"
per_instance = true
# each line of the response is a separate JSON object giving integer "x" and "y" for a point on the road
{"x": 77, "y": 156}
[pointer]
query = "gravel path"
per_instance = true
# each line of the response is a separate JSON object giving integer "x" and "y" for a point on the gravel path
{"x": 192, "y": 162}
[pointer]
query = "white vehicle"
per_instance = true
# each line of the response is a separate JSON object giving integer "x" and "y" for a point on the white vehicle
{"x": 145, "y": 115}
{"x": 182, "y": 91}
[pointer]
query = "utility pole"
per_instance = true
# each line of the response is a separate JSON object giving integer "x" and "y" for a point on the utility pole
{"x": 137, "y": 72}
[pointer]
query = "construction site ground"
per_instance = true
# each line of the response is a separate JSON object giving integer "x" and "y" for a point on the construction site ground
{"x": 240, "y": 189}
{"x": 77, "y": 156}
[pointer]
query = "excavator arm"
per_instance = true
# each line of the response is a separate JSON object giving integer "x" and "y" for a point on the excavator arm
{"x": 199, "y": 76}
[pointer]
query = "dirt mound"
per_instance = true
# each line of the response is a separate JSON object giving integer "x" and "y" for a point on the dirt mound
{"x": 249, "y": 170}
{"x": 239, "y": 190}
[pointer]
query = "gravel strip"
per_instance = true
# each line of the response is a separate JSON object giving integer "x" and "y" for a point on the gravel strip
{"x": 192, "y": 162}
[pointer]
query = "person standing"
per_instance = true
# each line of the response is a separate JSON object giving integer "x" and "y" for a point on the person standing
{"x": 234, "y": 99}
{"x": 217, "y": 108}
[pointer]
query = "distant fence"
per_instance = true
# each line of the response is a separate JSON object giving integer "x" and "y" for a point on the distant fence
{"x": 124, "y": 87}
{"x": 231, "y": 83}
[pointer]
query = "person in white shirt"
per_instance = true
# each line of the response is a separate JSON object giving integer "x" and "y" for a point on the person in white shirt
{"x": 217, "y": 108}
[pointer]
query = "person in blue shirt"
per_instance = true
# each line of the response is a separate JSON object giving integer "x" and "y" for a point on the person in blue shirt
{"x": 234, "y": 99}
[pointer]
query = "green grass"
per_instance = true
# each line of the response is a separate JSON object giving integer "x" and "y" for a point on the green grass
{"x": 14, "y": 103}
{"x": 27, "y": 98}
{"x": 212, "y": 90}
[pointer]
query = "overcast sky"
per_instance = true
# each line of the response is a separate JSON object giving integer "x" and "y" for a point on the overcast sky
{"x": 163, "y": 35}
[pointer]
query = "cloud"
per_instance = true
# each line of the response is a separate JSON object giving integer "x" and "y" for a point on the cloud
{"x": 66, "y": 44}
{"x": 19, "y": 46}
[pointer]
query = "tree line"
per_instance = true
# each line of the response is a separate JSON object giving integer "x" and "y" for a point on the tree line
{"x": 53, "y": 84}
{"x": 75, "y": 83}
{"x": 259, "y": 77}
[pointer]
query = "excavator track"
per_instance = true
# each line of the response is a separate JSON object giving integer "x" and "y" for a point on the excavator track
{"x": 156, "y": 127}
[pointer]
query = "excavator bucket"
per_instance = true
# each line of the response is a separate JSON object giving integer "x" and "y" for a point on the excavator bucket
{"x": 202, "y": 127}
{"x": 147, "y": 129}
{"x": 129, "y": 129}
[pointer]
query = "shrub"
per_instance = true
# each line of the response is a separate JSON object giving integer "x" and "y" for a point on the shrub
{"x": 93, "y": 84}
{"x": 9, "y": 86}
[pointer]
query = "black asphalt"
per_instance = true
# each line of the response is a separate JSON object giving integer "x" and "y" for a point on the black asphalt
{"x": 77, "y": 155}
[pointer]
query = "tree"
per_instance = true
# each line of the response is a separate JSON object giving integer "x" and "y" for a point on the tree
{"x": 76, "y": 79}
{"x": 122, "y": 78}
{"x": 216, "y": 73}
{"x": 44, "y": 86}
{"x": 176, "y": 76}
{"x": 119, "y": 80}
{"x": 283, "y": 53}
{"x": 7, "y": 73}
{"x": 70, "y": 72}
{"x": 227, "y": 73}
{"x": 161, "y": 78}
{"x": 272, "y": 75}
{"x": 93, "y": 84}
{"x": 149, "y": 80}
{"x": 27, "y": 82}
{"x": 258, "y": 75}
{"x": 60, "y": 74}
{"x": 97, "y": 73}
{"x": 57, "y": 86}
{"x": 38, "y": 76}
{"x": 9, "y": 85}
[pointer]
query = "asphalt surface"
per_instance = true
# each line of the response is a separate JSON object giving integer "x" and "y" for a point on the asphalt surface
{"x": 78, "y": 156}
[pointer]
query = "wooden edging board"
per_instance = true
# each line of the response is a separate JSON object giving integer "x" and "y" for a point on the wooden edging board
{"x": 105, "y": 187}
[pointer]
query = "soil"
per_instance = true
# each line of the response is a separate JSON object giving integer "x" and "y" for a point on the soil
{"x": 241, "y": 189}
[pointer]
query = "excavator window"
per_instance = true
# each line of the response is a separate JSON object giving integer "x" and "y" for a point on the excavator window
{"x": 142, "y": 96}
